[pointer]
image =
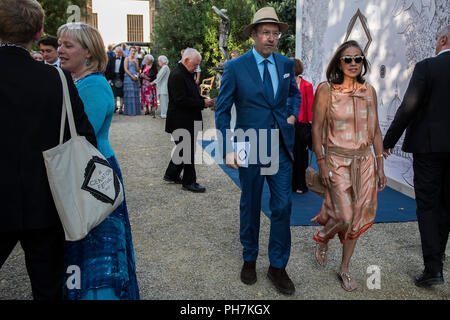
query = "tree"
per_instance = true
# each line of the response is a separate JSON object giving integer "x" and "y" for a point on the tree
{"x": 56, "y": 13}
{"x": 181, "y": 24}
{"x": 287, "y": 13}
{"x": 194, "y": 23}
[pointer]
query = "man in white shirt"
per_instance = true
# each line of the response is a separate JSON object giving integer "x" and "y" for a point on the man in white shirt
{"x": 197, "y": 71}
{"x": 197, "y": 75}
{"x": 49, "y": 47}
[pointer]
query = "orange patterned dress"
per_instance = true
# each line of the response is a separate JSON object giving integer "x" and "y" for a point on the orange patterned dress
{"x": 349, "y": 207}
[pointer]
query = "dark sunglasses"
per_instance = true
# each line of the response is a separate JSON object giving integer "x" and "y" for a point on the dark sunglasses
{"x": 349, "y": 59}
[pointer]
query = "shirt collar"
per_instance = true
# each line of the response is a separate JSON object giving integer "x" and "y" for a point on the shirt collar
{"x": 443, "y": 51}
{"x": 259, "y": 58}
{"x": 56, "y": 63}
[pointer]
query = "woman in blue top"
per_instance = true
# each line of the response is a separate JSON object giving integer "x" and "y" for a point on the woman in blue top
{"x": 101, "y": 266}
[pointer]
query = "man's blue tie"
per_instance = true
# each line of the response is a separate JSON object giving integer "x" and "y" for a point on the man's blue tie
{"x": 267, "y": 82}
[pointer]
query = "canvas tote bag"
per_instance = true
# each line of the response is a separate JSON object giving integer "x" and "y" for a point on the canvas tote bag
{"x": 83, "y": 184}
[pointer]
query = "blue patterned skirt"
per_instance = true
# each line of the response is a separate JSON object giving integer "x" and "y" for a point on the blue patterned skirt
{"x": 105, "y": 258}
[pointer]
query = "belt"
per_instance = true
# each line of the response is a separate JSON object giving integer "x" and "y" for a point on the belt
{"x": 355, "y": 167}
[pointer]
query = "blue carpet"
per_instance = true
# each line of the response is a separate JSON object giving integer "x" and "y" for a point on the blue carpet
{"x": 393, "y": 206}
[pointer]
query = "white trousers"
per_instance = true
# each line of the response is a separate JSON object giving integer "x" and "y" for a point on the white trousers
{"x": 119, "y": 102}
{"x": 163, "y": 104}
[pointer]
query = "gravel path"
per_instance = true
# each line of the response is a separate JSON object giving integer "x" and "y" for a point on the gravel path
{"x": 187, "y": 245}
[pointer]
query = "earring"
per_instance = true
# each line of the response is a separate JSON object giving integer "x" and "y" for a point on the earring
{"x": 87, "y": 62}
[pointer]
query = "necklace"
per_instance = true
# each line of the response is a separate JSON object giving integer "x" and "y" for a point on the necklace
{"x": 75, "y": 80}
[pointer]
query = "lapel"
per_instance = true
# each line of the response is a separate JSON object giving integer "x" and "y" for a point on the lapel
{"x": 252, "y": 69}
{"x": 278, "y": 65}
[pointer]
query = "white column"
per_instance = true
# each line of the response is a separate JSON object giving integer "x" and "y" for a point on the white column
{"x": 298, "y": 30}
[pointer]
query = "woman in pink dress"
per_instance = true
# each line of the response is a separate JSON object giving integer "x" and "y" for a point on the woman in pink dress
{"x": 148, "y": 90}
{"x": 345, "y": 126}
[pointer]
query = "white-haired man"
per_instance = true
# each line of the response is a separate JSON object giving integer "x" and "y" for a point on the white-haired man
{"x": 185, "y": 108}
{"x": 425, "y": 114}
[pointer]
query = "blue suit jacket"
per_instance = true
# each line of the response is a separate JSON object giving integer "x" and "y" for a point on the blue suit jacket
{"x": 242, "y": 85}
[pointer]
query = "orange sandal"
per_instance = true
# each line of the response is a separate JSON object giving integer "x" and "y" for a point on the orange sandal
{"x": 347, "y": 283}
{"x": 320, "y": 254}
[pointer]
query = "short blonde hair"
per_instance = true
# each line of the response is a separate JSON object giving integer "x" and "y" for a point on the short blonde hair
{"x": 90, "y": 39}
{"x": 191, "y": 53}
{"x": 444, "y": 31}
{"x": 163, "y": 59}
{"x": 20, "y": 20}
{"x": 149, "y": 57}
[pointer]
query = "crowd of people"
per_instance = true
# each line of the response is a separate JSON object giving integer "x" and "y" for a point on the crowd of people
{"x": 262, "y": 90}
{"x": 133, "y": 75}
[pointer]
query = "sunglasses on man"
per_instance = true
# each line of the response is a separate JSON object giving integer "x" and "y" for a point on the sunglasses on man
{"x": 349, "y": 59}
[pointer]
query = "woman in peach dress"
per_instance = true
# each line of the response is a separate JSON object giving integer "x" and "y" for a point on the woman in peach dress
{"x": 343, "y": 130}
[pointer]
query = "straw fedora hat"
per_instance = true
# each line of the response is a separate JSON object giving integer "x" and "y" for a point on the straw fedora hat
{"x": 265, "y": 15}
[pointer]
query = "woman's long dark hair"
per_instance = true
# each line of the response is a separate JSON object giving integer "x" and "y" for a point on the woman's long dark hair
{"x": 334, "y": 72}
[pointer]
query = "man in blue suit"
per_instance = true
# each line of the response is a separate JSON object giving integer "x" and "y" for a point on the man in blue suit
{"x": 262, "y": 85}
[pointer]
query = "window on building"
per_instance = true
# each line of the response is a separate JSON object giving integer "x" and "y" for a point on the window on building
{"x": 95, "y": 20}
{"x": 135, "y": 27}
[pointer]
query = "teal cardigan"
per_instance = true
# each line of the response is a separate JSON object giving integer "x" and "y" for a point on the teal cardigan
{"x": 99, "y": 104}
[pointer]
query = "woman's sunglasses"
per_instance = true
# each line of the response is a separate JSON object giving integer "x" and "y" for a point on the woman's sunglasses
{"x": 349, "y": 59}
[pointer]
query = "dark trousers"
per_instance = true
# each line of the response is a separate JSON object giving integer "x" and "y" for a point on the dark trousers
{"x": 430, "y": 173}
{"x": 174, "y": 169}
{"x": 44, "y": 259}
{"x": 300, "y": 157}
{"x": 252, "y": 183}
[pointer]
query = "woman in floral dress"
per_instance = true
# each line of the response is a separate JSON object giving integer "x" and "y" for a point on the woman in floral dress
{"x": 148, "y": 89}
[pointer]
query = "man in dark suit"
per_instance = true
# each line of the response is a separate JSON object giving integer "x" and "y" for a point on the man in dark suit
{"x": 30, "y": 124}
{"x": 115, "y": 73}
{"x": 185, "y": 108}
{"x": 261, "y": 83}
{"x": 425, "y": 114}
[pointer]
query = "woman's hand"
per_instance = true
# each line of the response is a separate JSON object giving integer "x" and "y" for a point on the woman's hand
{"x": 325, "y": 174}
{"x": 381, "y": 179}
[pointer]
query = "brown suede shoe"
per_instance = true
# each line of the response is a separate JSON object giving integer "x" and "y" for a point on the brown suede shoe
{"x": 281, "y": 280}
{"x": 248, "y": 272}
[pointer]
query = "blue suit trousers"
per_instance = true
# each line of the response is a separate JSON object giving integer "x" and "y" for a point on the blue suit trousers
{"x": 252, "y": 183}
